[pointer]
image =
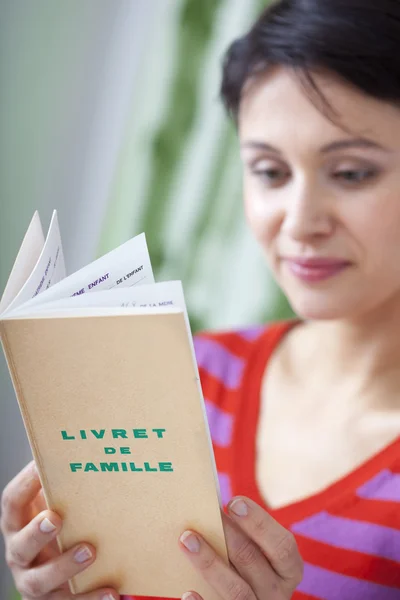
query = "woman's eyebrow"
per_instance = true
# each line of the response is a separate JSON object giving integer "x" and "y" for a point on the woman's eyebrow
{"x": 353, "y": 143}
{"x": 256, "y": 145}
{"x": 332, "y": 147}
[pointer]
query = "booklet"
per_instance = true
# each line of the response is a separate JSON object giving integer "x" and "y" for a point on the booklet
{"x": 105, "y": 374}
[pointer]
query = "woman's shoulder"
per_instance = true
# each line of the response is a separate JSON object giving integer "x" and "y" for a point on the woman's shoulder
{"x": 224, "y": 356}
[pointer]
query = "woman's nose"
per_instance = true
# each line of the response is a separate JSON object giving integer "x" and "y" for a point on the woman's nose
{"x": 308, "y": 216}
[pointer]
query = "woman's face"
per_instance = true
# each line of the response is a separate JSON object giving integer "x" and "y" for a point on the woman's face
{"x": 324, "y": 202}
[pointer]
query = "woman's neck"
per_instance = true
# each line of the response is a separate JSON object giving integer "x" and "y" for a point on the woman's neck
{"x": 362, "y": 353}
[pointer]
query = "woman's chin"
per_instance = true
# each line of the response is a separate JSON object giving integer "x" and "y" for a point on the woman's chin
{"x": 333, "y": 298}
{"x": 322, "y": 309}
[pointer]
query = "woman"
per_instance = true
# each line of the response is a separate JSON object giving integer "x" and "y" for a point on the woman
{"x": 305, "y": 416}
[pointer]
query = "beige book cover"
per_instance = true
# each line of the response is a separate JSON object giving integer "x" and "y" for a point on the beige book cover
{"x": 110, "y": 396}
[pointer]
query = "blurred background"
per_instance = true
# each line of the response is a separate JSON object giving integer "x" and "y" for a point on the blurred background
{"x": 109, "y": 112}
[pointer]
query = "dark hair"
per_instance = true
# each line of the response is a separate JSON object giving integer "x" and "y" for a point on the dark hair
{"x": 358, "y": 40}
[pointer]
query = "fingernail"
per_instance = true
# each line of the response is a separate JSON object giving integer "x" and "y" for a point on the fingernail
{"x": 239, "y": 508}
{"x": 190, "y": 541}
{"x": 108, "y": 597}
{"x": 46, "y": 526}
{"x": 188, "y": 596}
{"x": 82, "y": 554}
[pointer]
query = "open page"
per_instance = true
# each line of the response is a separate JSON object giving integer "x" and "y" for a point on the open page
{"x": 28, "y": 255}
{"x": 49, "y": 267}
{"x": 126, "y": 266}
{"x": 152, "y": 297}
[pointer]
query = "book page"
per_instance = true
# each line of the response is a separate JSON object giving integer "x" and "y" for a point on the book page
{"x": 27, "y": 257}
{"x": 126, "y": 266}
{"x": 152, "y": 297}
{"x": 49, "y": 267}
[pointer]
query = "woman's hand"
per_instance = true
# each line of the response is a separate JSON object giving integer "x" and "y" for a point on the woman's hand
{"x": 265, "y": 561}
{"x": 38, "y": 568}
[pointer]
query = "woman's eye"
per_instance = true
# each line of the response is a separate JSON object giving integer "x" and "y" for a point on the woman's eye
{"x": 355, "y": 175}
{"x": 272, "y": 176}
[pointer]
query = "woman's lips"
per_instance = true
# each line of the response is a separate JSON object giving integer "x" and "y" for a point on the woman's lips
{"x": 315, "y": 269}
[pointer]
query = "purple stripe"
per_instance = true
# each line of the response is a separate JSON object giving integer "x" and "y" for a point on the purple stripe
{"x": 384, "y": 486}
{"x": 359, "y": 536}
{"x": 333, "y": 586}
{"x": 219, "y": 362}
{"x": 225, "y": 487}
{"x": 252, "y": 333}
{"x": 220, "y": 423}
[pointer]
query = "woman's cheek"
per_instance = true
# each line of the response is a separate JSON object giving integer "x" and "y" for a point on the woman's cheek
{"x": 262, "y": 218}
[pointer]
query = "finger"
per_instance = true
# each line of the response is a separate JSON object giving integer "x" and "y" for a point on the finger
{"x": 41, "y": 580}
{"x": 16, "y": 496}
{"x": 25, "y": 545}
{"x": 225, "y": 581}
{"x": 50, "y": 551}
{"x": 191, "y": 596}
{"x": 277, "y": 543}
{"x": 251, "y": 564}
{"x": 39, "y": 503}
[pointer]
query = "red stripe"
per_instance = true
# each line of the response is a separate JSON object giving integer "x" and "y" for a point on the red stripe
{"x": 216, "y": 393}
{"x": 223, "y": 459}
{"x": 296, "y": 596}
{"x": 395, "y": 467}
{"x": 145, "y": 598}
{"x": 353, "y": 564}
{"x": 379, "y": 512}
{"x": 301, "y": 596}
